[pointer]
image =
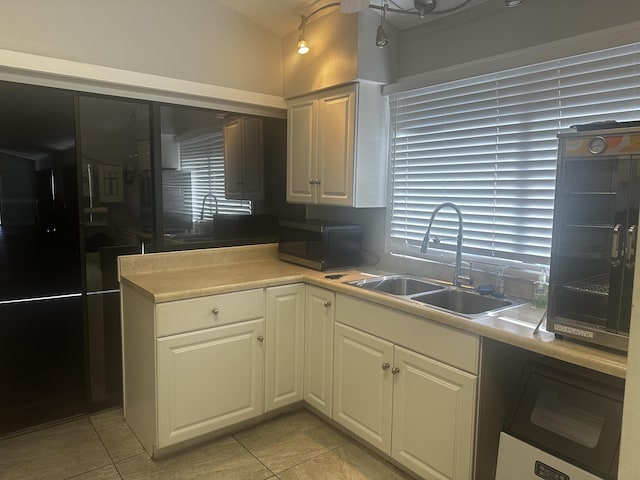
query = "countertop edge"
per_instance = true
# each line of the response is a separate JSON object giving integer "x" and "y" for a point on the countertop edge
{"x": 237, "y": 276}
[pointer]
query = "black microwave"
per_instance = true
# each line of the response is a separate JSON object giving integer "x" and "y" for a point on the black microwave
{"x": 320, "y": 244}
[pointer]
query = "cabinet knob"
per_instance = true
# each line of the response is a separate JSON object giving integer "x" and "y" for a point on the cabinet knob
{"x": 215, "y": 311}
{"x": 327, "y": 304}
{"x": 385, "y": 366}
{"x": 260, "y": 338}
{"x": 395, "y": 370}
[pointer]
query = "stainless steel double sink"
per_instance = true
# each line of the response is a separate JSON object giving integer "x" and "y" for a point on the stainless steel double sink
{"x": 437, "y": 294}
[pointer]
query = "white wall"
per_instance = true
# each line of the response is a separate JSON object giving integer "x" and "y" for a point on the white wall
{"x": 342, "y": 49}
{"x": 196, "y": 40}
{"x": 491, "y": 29}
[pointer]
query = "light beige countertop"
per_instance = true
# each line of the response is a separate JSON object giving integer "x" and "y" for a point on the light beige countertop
{"x": 169, "y": 276}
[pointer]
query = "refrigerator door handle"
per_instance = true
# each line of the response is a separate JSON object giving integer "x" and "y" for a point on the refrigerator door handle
{"x": 615, "y": 246}
{"x": 630, "y": 254}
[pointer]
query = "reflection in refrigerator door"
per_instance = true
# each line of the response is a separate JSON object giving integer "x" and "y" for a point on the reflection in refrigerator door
{"x": 113, "y": 134}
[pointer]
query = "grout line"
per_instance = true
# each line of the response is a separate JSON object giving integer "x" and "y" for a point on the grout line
{"x": 101, "y": 441}
{"x": 251, "y": 453}
{"x": 113, "y": 462}
{"x": 327, "y": 450}
{"x": 92, "y": 470}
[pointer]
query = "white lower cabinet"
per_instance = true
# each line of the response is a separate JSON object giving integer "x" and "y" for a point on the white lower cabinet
{"x": 405, "y": 385}
{"x": 362, "y": 391}
{"x": 192, "y": 366}
{"x": 318, "y": 348}
{"x": 284, "y": 363}
{"x": 209, "y": 379}
{"x": 418, "y": 410}
{"x": 433, "y": 417}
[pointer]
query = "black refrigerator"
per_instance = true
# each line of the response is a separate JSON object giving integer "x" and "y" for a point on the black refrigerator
{"x": 70, "y": 204}
{"x": 42, "y": 355}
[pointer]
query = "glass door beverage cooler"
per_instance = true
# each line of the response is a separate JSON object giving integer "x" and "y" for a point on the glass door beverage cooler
{"x": 594, "y": 236}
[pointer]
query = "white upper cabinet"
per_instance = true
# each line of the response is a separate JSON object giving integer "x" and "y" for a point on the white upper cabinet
{"x": 337, "y": 147}
{"x": 244, "y": 159}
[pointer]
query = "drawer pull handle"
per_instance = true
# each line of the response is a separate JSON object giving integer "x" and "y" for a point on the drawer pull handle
{"x": 385, "y": 366}
{"x": 327, "y": 304}
{"x": 260, "y": 338}
{"x": 215, "y": 311}
{"x": 395, "y": 370}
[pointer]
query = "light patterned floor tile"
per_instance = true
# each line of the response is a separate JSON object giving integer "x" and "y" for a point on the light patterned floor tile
{"x": 223, "y": 459}
{"x": 290, "y": 439}
{"x": 347, "y": 462}
{"x": 118, "y": 439}
{"x": 53, "y": 453}
{"x": 108, "y": 472}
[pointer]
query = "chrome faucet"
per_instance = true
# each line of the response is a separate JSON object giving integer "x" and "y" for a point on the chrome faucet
{"x": 458, "y": 278}
{"x": 204, "y": 199}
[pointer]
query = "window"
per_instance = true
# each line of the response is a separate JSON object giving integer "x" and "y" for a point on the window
{"x": 488, "y": 144}
{"x": 203, "y": 157}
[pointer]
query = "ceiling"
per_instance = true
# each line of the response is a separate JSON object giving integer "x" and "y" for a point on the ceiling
{"x": 283, "y": 16}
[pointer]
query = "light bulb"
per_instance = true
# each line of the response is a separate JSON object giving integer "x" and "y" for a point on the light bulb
{"x": 303, "y": 46}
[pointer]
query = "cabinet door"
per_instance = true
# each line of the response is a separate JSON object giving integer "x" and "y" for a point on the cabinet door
{"x": 244, "y": 159}
{"x": 301, "y": 150}
{"x": 284, "y": 345}
{"x": 318, "y": 343}
{"x": 232, "y": 158}
{"x": 209, "y": 379}
{"x": 363, "y": 385}
{"x": 335, "y": 164}
{"x": 433, "y": 417}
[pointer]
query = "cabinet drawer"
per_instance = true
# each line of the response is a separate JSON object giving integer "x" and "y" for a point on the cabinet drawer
{"x": 197, "y": 313}
{"x": 447, "y": 344}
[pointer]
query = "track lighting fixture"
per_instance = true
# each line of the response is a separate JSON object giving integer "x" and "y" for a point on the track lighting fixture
{"x": 303, "y": 46}
{"x": 382, "y": 40}
{"x": 424, "y": 7}
{"x": 421, "y": 8}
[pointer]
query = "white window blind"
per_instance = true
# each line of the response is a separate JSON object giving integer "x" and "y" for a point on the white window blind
{"x": 488, "y": 144}
{"x": 203, "y": 156}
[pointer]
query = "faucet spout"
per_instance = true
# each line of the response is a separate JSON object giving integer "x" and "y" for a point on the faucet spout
{"x": 204, "y": 200}
{"x": 457, "y": 275}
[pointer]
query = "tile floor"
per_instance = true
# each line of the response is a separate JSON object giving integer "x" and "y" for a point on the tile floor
{"x": 294, "y": 446}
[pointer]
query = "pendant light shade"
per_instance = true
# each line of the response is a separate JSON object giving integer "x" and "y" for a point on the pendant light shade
{"x": 382, "y": 39}
{"x": 303, "y": 46}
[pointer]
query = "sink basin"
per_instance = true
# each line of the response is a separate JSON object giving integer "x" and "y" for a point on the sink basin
{"x": 443, "y": 296}
{"x": 463, "y": 302}
{"x": 401, "y": 285}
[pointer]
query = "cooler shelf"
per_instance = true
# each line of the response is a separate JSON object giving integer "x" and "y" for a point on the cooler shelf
{"x": 598, "y": 284}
